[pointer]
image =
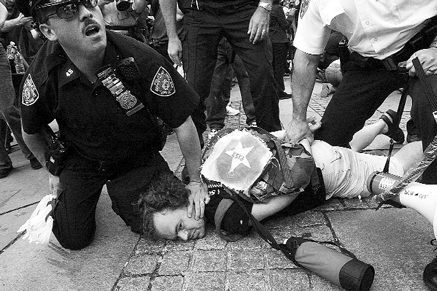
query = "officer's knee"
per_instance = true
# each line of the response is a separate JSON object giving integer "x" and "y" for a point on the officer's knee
{"x": 74, "y": 240}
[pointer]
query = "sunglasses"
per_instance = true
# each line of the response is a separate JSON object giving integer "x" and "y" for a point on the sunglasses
{"x": 69, "y": 9}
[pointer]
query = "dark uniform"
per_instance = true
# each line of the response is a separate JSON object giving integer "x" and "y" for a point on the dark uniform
{"x": 205, "y": 23}
{"x": 106, "y": 143}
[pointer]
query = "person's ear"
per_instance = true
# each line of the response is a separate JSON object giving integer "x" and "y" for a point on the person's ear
{"x": 48, "y": 32}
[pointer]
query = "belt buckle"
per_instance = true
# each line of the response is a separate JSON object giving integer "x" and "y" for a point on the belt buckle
{"x": 389, "y": 64}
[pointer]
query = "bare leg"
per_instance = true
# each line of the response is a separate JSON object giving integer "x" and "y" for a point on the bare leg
{"x": 409, "y": 154}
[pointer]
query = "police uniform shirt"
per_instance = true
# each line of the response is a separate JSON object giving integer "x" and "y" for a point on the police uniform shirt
{"x": 88, "y": 115}
{"x": 374, "y": 28}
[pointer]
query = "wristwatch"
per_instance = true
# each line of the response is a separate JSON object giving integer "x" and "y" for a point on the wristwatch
{"x": 265, "y": 5}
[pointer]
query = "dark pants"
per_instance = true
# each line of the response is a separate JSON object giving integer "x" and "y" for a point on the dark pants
{"x": 279, "y": 59}
{"x": 74, "y": 216}
{"x": 203, "y": 29}
{"x": 360, "y": 93}
{"x": 421, "y": 112}
{"x": 227, "y": 64}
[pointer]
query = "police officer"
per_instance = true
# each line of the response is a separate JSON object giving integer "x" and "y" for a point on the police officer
{"x": 381, "y": 34}
{"x": 245, "y": 23}
{"x": 105, "y": 91}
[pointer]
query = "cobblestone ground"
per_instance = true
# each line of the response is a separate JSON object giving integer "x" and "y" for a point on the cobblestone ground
{"x": 249, "y": 264}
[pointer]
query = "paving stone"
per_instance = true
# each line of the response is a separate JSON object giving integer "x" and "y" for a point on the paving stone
{"x": 205, "y": 281}
{"x": 211, "y": 241}
{"x": 133, "y": 284}
{"x": 275, "y": 259}
{"x": 247, "y": 281}
{"x": 175, "y": 263}
{"x": 209, "y": 261}
{"x": 289, "y": 280}
{"x": 142, "y": 264}
{"x": 148, "y": 246}
{"x": 241, "y": 260}
{"x": 167, "y": 283}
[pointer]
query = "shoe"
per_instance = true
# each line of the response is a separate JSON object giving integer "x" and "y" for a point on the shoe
{"x": 35, "y": 164}
{"x": 430, "y": 275}
{"x": 5, "y": 172}
{"x": 327, "y": 89}
{"x": 285, "y": 95}
{"x": 394, "y": 132}
{"x": 231, "y": 111}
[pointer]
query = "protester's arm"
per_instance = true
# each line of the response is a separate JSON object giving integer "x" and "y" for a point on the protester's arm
{"x": 20, "y": 20}
{"x": 304, "y": 76}
{"x": 190, "y": 147}
{"x": 263, "y": 210}
{"x": 168, "y": 9}
{"x": 37, "y": 145}
{"x": 259, "y": 24}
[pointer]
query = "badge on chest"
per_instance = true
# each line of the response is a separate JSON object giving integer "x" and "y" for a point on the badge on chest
{"x": 123, "y": 96}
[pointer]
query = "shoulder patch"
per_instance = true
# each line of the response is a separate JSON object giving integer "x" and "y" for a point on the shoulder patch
{"x": 304, "y": 7}
{"x": 30, "y": 94}
{"x": 162, "y": 83}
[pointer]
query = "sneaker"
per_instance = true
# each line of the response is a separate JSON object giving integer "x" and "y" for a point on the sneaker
{"x": 5, "y": 172}
{"x": 327, "y": 89}
{"x": 35, "y": 164}
{"x": 212, "y": 132}
{"x": 394, "y": 132}
{"x": 231, "y": 111}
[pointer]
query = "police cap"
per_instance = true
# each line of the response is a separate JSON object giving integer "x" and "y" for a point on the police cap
{"x": 29, "y": 7}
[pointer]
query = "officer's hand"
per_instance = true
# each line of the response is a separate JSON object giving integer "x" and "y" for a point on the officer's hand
{"x": 259, "y": 25}
{"x": 313, "y": 123}
{"x": 55, "y": 185}
{"x": 428, "y": 60}
{"x": 175, "y": 50}
{"x": 297, "y": 130}
{"x": 198, "y": 198}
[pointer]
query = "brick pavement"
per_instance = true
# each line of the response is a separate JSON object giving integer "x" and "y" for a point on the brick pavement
{"x": 394, "y": 241}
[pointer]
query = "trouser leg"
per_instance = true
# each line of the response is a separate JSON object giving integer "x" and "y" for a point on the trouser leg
{"x": 74, "y": 222}
{"x": 244, "y": 84}
{"x": 421, "y": 113}
{"x": 279, "y": 58}
{"x": 257, "y": 59}
{"x": 359, "y": 95}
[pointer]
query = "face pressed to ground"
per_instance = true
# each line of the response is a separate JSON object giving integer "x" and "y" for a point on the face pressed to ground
{"x": 171, "y": 224}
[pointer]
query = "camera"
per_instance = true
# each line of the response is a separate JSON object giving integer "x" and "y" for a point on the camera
{"x": 123, "y": 5}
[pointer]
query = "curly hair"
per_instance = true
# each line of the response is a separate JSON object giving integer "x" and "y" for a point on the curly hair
{"x": 164, "y": 192}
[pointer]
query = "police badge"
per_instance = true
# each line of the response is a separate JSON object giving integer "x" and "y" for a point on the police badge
{"x": 30, "y": 94}
{"x": 162, "y": 83}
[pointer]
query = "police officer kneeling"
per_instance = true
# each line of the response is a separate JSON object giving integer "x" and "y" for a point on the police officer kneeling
{"x": 105, "y": 91}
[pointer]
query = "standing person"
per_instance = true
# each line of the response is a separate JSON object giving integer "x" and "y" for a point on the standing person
{"x": 219, "y": 96}
{"x": 245, "y": 23}
{"x": 104, "y": 91}
{"x": 381, "y": 34}
{"x": 9, "y": 111}
{"x": 122, "y": 16}
{"x": 278, "y": 37}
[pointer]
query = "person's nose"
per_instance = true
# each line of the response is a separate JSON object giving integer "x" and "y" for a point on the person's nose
{"x": 84, "y": 12}
{"x": 183, "y": 234}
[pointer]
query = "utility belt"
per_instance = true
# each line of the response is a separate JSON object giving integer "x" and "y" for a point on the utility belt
{"x": 120, "y": 29}
{"x": 154, "y": 42}
{"x": 420, "y": 40}
{"x": 76, "y": 162}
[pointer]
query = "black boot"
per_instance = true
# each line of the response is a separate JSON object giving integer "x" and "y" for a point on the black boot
{"x": 430, "y": 275}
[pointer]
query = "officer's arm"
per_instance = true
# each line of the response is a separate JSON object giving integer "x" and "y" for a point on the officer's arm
{"x": 190, "y": 146}
{"x": 302, "y": 85}
{"x": 3, "y": 15}
{"x": 168, "y": 10}
{"x": 263, "y": 210}
{"x": 37, "y": 145}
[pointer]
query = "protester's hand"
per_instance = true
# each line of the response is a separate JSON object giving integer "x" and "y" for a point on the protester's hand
{"x": 313, "y": 123}
{"x": 428, "y": 60}
{"x": 259, "y": 25}
{"x": 55, "y": 185}
{"x": 198, "y": 199}
{"x": 175, "y": 50}
{"x": 297, "y": 130}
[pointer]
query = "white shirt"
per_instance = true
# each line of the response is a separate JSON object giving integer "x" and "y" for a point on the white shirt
{"x": 375, "y": 28}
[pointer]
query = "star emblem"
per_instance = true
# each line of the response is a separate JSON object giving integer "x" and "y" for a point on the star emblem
{"x": 238, "y": 155}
